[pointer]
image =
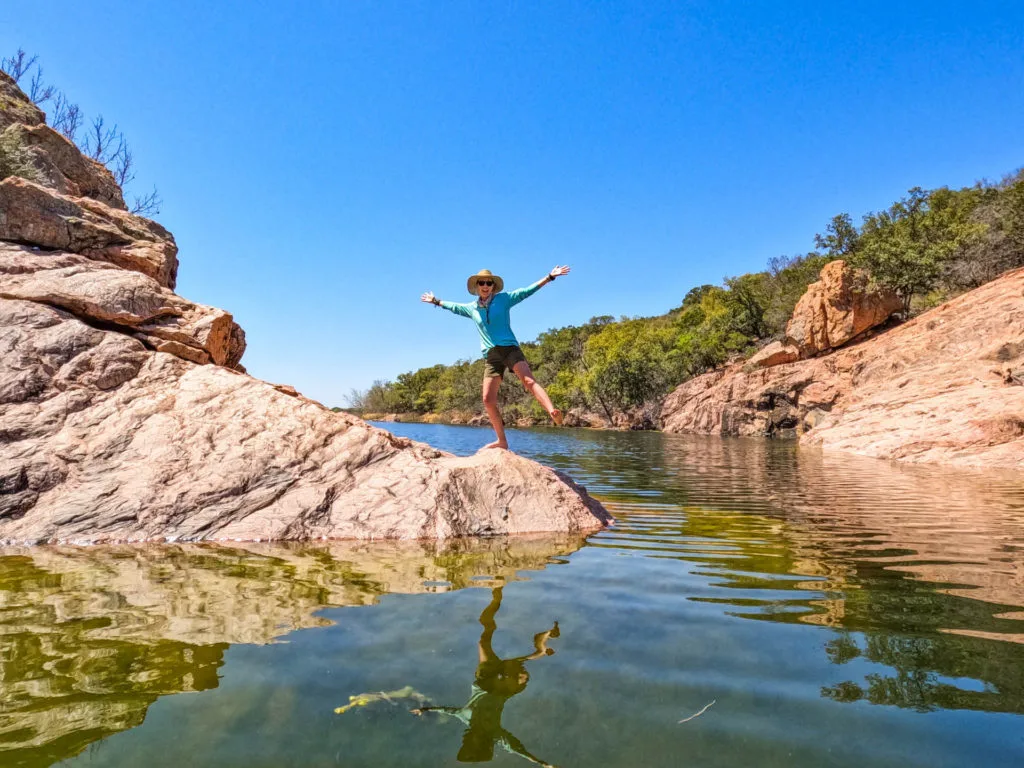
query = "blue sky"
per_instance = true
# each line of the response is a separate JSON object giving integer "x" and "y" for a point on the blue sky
{"x": 324, "y": 163}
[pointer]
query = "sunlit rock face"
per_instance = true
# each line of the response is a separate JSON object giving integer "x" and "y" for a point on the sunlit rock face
{"x": 944, "y": 387}
{"x": 837, "y": 308}
{"x": 90, "y": 637}
{"x": 126, "y": 415}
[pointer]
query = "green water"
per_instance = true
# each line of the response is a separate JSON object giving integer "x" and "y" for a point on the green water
{"x": 790, "y": 608}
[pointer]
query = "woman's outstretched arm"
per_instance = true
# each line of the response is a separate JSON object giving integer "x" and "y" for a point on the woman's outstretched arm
{"x": 451, "y": 306}
{"x": 519, "y": 294}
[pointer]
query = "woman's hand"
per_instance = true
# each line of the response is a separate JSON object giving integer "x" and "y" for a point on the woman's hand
{"x": 428, "y": 297}
{"x": 558, "y": 272}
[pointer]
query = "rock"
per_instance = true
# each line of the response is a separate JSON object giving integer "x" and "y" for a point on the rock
{"x": 775, "y": 353}
{"x": 34, "y": 215}
{"x": 15, "y": 106}
{"x": 102, "y": 293}
{"x": 924, "y": 391}
{"x": 839, "y": 307}
{"x": 637, "y": 419}
{"x": 63, "y": 167}
{"x": 106, "y": 441}
{"x": 580, "y": 417}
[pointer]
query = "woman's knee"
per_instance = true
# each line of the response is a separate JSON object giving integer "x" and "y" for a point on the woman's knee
{"x": 527, "y": 382}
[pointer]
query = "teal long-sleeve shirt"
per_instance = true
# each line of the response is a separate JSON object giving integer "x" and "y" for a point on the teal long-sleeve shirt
{"x": 492, "y": 321}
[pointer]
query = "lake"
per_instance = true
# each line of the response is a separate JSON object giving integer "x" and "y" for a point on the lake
{"x": 756, "y": 604}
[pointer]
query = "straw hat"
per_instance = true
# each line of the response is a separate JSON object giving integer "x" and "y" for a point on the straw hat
{"x": 471, "y": 286}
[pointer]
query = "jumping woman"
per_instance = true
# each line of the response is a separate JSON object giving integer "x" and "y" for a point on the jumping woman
{"x": 490, "y": 312}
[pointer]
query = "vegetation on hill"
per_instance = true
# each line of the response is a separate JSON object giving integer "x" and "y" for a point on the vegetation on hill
{"x": 929, "y": 246}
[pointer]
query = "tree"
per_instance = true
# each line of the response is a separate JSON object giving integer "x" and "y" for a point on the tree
{"x": 840, "y": 239}
{"x": 748, "y": 298}
{"x": 908, "y": 246}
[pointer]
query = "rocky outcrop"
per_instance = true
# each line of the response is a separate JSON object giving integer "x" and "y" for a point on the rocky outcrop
{"x": 15, "y": 106}
{"x": 128, "y": 301}
{"x": 35, "y": 215}
{"x": 839, "y": 307}
{"x": 62, "y": 166}
{"x": 125, "y": 414}
{"x": 836, "y": 309}
{"x": 935, "y": 389}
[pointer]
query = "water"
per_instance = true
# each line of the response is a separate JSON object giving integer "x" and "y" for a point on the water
{"x": 756, "y": 604}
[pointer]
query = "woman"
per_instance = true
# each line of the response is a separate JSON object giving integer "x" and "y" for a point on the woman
{"x": 490, "y": 312}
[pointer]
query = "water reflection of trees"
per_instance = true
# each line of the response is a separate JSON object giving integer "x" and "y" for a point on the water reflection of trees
{"x": 913, "y": 566}
{"x": 89, "y": 638}
{"x": 920, "y": 663}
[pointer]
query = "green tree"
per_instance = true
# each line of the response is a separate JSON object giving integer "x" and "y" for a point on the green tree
{"x": 909, "y": 245}
{"x": 840, "y": 239}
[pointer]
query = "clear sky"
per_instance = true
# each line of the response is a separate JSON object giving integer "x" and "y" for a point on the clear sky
{"x": 324, "y": 163}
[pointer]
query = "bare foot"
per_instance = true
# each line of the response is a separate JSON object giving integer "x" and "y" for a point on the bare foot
{"x": 557, "y": 416}
{"x": 496, "y": 444}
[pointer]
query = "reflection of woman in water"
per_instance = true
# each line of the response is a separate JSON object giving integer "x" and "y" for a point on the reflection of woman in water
{"x": 497, "y": 681}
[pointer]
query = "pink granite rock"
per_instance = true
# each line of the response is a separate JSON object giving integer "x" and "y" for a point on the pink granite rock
{"x": 930, "y": 390}
{"x": 103, "y": 440}
{"x": 32, "y": 214}
{"x": 839, "y": 307}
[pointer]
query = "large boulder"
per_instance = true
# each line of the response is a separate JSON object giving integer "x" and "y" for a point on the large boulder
{"x": 104, "y": 440}
{"x": 842, "y": 305}
{"x": 36, "y": 215}
{"x": 775, "y": 353}
{"x": 939, "y": 388}
{"x": 62, "y": 167}
{"x": 15, "y": 106}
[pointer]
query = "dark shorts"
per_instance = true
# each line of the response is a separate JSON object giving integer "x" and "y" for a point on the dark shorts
{"x": 498, "y": 359}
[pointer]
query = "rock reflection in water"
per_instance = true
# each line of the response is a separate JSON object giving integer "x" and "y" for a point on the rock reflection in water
{"x": 961, "y": 528}
{"x": 89, "y": 638}
{"x": 789, "y": 572}
{"x": 917, "y": 569}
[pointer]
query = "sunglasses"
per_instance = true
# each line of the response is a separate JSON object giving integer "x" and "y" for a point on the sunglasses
{"x": 485, "y": 282}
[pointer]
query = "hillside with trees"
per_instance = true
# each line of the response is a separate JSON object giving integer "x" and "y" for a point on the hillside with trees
{"x": 930, "y": 245}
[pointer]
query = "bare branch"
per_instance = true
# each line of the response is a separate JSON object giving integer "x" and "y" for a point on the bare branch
{"x": 122, "y": 165}
{"x": 17, "y": 65}
{"x": 147, "y": 205}
{"x": 66, "y": 118}
{"x": 38, "y": 91}
{"x": 102, "y": 143}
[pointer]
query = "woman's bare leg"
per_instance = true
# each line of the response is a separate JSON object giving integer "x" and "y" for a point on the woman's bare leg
{"x": 490, "y": 393}
{"x": 522, "y": 370}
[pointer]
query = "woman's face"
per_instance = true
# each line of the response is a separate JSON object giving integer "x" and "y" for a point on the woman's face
{"x": 484, "y": 288}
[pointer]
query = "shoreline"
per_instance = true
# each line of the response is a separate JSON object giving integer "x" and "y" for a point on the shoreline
{"x": 481, "y": 421}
